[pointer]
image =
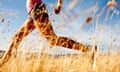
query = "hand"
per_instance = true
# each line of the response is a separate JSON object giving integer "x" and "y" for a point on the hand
{"x": 58, "y": 7}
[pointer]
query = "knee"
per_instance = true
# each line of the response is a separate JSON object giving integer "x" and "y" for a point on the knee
{"x": 52, "y": 40}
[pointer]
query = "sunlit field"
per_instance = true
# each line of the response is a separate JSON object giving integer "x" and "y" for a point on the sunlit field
{"x": 91, "y": 22}
{"x": 71, "y": 63}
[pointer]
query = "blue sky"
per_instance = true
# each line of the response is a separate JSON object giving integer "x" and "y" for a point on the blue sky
{"x": 71, "y": 28}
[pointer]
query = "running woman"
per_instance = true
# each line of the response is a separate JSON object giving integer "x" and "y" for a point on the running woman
{"x": 38, "y": 18}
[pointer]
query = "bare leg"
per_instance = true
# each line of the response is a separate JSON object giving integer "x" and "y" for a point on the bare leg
{"x": 43, "y": 25}
{"x": 25, "y": 29}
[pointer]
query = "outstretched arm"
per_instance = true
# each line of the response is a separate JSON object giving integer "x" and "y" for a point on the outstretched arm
{"x": 58, "y": 7}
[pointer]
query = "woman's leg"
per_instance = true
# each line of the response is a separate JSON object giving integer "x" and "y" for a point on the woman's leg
{"x": 42, "y": 23}
{"x": 24, "y": 30}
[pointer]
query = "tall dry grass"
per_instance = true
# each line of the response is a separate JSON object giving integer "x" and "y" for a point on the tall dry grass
{"x": 71, "y": 63}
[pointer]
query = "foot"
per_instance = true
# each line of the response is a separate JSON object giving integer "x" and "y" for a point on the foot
{"x": 90, "y": 48}
{"x": 93, "y": 54}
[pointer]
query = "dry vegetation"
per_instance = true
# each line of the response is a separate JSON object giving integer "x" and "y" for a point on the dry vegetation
{"x": 72, "y": 63}
{"x": 75, "y": 63}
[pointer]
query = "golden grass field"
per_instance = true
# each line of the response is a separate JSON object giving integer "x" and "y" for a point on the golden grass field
{"x": 30, "y": 62}
{"x": 71, "y": 63}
